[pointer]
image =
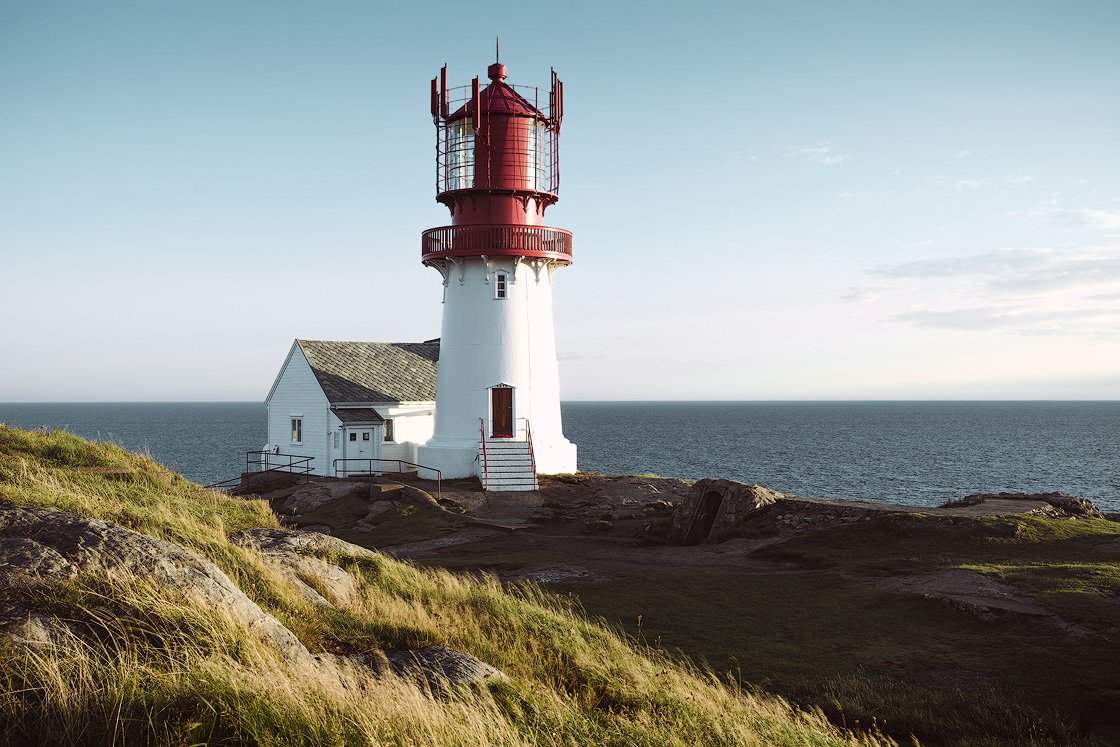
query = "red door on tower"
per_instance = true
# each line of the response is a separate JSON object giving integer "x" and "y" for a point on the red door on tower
{"x": 501, "y": 412}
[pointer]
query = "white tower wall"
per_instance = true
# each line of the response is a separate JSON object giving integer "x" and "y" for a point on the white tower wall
{"x": 488, "y": 341}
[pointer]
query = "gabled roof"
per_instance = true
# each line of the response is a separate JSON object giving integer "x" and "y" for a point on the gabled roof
{"x": 373, "y": 371}
{"x": 357, "y": 415}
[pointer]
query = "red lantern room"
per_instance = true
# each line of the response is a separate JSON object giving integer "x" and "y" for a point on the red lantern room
{"x": 497, "y": 169}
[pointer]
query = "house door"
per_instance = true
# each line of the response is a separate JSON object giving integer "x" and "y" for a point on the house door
{"x": 360, "y": 445}
{"x": 501, "y": 412}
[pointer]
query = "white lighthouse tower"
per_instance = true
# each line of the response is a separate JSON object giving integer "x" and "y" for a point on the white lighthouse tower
{"x": 497, "y": 386}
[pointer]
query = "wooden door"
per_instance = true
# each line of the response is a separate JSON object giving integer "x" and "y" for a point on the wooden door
{"x": 501, "y": 412}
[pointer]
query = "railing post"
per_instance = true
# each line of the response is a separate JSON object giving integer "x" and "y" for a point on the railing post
{"x": 482, "y": 436}
{"x": 532, "y": 454}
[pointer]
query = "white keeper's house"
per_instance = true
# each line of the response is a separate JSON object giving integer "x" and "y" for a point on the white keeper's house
{"x": 352, "y": 401}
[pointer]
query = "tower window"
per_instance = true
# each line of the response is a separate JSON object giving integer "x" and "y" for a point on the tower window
{"x": 500, "y": 289}
{"x": 297, "y": 430}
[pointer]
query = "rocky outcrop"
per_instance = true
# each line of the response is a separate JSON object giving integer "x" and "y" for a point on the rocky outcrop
{"x": 287, "y": 552}
{"x": 715, "y": 508}
{"x": 44, "y": 544}
{"x": 1057, "y": 505}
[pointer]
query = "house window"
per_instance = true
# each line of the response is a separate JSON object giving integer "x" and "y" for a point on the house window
{"x": 297, "y": 430}
{"x": 336, "y": 439}
{"x": 389, "y": 429}
{"x": 365, "y": 435}
{"x": 499, "y": 287}
{"x": 353, "y": 437}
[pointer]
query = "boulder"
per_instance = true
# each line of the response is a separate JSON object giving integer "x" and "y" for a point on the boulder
{"x": 440, "y": 666}
{"x": 45, "y": 544}
{"x": 41, "y": 545}
{"x": 30, "y": 629}
{"x": 287, "y": 551}
{"x": 715, "y": 507}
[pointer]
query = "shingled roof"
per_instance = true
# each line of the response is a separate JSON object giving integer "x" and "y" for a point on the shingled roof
{"x": 374, "y": 371}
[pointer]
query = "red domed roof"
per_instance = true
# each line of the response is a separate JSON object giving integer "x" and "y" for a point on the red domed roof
{"x": 498, "y": 98}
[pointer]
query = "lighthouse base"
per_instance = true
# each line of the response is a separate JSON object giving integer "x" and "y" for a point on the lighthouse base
{"x": 555, "y": 457}
{"x": 453, "y": 458}
{"x": 456, "y": 458}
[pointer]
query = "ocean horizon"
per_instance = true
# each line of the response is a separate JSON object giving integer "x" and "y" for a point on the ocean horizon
{"x": 914, "y": 452}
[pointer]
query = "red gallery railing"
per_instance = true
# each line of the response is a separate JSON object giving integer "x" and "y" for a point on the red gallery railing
{"x": 496, "y": 240}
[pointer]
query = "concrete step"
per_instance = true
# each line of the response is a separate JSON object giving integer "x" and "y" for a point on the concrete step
{"x": 508, "y": 465}
{"x": 521, "y": 483}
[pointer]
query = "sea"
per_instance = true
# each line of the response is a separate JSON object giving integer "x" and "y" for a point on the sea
{"x": 915, "y": 453}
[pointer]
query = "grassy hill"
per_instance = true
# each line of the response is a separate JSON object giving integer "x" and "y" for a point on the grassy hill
{"x": 144, "y": 664}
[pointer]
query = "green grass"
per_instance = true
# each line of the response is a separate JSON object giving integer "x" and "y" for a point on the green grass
{"x": 149, "y": 667}
{"x": 912, "y": 543}
{"x": 828, "y": 637}
{"x": 1061, "y": 563}
{"x": 861, "y": 653}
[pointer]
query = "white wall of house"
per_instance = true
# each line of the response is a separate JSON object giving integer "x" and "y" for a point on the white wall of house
{"x": 413, "y": 424}
{"x": 297, "y": 394}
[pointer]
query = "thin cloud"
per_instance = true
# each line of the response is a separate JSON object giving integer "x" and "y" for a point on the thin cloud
{"x": 1094, "y": 219}
{"x": 863, "y": 295}
{"x": 1019, "y": 179}
{"x": 822, "y": 153}
{"x": 961, "y": 154}
{"x": 1019, "y": 270}
{"x": 1102, "y": 220}
{"x": 969, "y": 184}
{"x": 1033, "y": 291}
{"x": 1001, "y": 261}
{"x": 1017, "y": 320}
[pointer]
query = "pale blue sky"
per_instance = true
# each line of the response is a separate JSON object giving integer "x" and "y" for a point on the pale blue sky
{"x": 862, "y": 200}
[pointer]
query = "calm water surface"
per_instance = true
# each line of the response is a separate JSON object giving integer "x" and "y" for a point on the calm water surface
{"x": 919, "y": 453}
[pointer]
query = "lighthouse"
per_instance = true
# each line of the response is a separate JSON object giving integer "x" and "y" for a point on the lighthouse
{"x": 497, "y": 412}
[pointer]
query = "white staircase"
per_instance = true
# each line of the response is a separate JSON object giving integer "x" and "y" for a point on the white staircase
{"x": 507, "y": 464}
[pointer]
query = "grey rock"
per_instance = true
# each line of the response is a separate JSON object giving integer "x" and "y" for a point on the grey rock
{"x": 287, "y": 551}
{"x": 715, "y": 507}
{"x": 29, "y": 629}
{"x": 1062, "y": 504}
{"x": 440, "y": 666}
{"x": 45, "y": 544}
{"x": 284, "y": 540}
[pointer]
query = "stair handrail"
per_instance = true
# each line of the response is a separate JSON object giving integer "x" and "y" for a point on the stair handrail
{"x": 482, "y": 438}
{"x": 532, "y": 456}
